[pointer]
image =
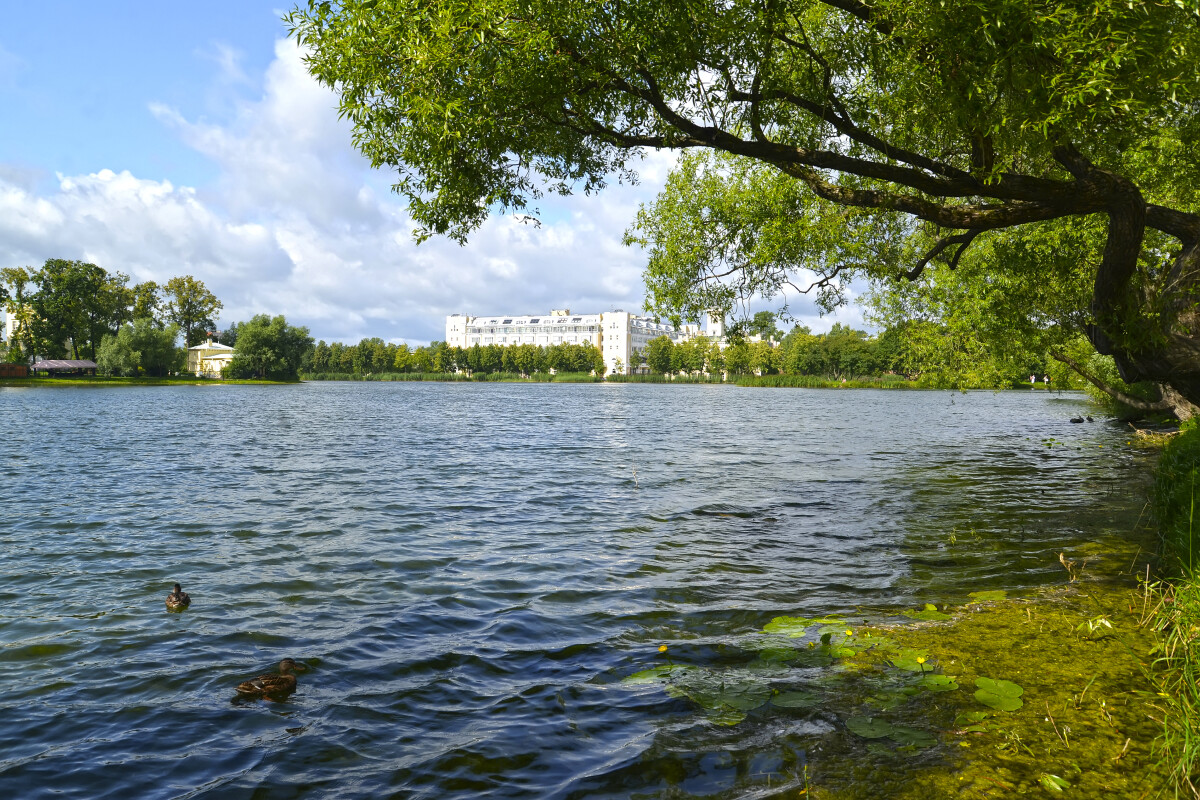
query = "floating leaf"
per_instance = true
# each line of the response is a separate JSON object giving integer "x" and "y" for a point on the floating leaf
{"x": 937, "y": 683}
{"x": 724, "y": 715}
{"x": 1053, "y": 782}
{"x": 975, "y": 729}
{"x": 998, "y": 694}
{"x": 875, "y": 728}
{"x": 912, "y": 737}
{"x": 966, "y": 717}
{"x": 988, "y": 596}
{"x": 912, "y": 660}
{"x": 796, "y": 699}
{"x": 869, "y": 727}
{"x": 654, "y": 674}
{"x": 792, "y": 627}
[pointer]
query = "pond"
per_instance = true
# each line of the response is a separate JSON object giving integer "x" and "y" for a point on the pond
{"x": 479, "y": 579}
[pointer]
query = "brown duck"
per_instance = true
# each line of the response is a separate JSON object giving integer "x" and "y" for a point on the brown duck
{"x": 178, "y": 600}
{"x": 272, "y": 687}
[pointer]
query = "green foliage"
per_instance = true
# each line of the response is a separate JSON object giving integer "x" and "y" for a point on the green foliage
{"x": 851, "y": 139}
{"x": 1176, "y": 499}
{"x": 269, "y": 348}
{"x": 376, "y": 357}
{"x": 140, "y": 348}
{"x": 192, "y": 307}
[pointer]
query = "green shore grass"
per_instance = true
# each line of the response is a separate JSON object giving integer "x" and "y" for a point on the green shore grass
{"x": 1176, "y": 615}
{"x": 101, "y": 380}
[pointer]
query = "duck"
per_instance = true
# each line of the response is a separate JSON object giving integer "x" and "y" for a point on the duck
{"x": 178, "y": 600}
{"x": 272, "y": 687}
{"x": 1076, "y": 419}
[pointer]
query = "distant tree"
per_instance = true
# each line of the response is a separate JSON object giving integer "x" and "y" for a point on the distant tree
{"x": 509, "y": 359}
{"x": 421, "y": 361}
{"x": 660, "y": 354}
{"x": 229, "y": 335}
{"x": 269, "y": 348}
{"x": 320, "y": 360}
{"x": 140, "y": 347}
{"x": 192, "y": 307}
{"x": 400, "y": 361}
{"x": 737, "y": 357}
{"x": 714, "y": 359}
{"x": 763, "y": 324}
{"x": 148, "y": 303}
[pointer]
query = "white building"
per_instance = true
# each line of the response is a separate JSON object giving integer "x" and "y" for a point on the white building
{"x": 210, "y": 358}
{"x": 616, "y": 333}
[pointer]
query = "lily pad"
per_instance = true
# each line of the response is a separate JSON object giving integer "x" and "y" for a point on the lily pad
{"x": 726, "y": 716}
{"x": 796, "y": 699}
{"x": 998, "y": 694}
{"x": 869, "y": 727}
{"x": 928, "y": 614}
{"x": 654, "y": 674}
{"x": 875, "y": 728}
{"x": 938, "y": 683}
{"x": 989, "y": 596}
{"x": 1053, "y": 782}
{"x": 912, "y": 660}
{"x": 967, "y": 717}
{"x": 792, "y": 627}
{"x": 912, "y": 737}
{"x": 712, "y": 691}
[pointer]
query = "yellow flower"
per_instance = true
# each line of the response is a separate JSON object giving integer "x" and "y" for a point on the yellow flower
{"x": 849, "y": 632}
{"x": 662, "y": 648}
{"x": 920, "y": 659}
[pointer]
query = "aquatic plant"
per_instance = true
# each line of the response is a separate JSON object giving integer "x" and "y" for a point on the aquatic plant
{"x": 1001, "y": 695}
{"x": 928, "y": 614}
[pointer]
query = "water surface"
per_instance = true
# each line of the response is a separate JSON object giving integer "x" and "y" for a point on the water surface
{"x": 470, "y": 570}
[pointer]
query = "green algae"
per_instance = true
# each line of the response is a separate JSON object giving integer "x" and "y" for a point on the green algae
{"x": 985, "y": 704}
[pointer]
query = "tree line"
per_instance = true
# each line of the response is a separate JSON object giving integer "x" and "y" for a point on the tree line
{"x": 66, "y": 308}
{"x": 79, "y": 310}
{"x": 375, "y": 356}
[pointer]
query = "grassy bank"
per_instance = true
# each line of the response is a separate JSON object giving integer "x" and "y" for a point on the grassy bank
{"x": 1176, "y": 617}
{"x": 103, "y": 380}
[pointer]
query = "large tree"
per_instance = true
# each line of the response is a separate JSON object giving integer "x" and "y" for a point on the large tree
{"x": 192, "y": 307}
{"x": 935, "y": 122}
{"x": 268, "y": 347}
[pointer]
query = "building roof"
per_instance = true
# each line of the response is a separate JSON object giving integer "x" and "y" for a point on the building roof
{"x": 211, "y": 345}
{"x": 55, "y": 364}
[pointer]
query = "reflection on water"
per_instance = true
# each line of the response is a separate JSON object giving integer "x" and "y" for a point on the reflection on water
{"x": 470, "y": 570}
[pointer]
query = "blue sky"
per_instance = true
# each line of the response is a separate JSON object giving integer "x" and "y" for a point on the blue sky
{"x": 165, "y": 138}
{"x": 76, "y": 79}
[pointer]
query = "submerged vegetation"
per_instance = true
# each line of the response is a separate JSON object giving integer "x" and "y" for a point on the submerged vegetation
{"x": 993, "y": 694}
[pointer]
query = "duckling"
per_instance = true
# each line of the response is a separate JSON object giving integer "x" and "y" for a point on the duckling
{"x": 272, "y": 687}
{"x": 178, "y": 600}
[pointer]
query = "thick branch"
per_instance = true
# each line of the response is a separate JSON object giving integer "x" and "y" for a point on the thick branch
{"x": 1116, "y": 394}
{"x": 971, "y": 216}
{"x": 962, "y": 239}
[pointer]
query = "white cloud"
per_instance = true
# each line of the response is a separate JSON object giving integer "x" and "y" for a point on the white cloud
{"x": 295, "y": 222}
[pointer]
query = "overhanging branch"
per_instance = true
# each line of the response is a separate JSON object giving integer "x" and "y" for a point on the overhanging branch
{"x": 1116, "y": 394}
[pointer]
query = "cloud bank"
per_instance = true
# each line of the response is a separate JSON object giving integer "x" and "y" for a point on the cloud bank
{"x": 295, "y": 222}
